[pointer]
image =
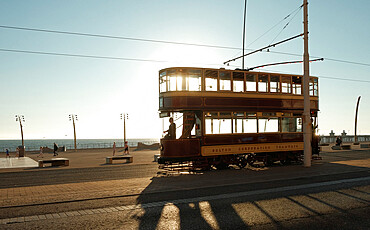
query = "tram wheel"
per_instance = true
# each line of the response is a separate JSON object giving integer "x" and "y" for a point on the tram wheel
{"x": 251, "y": 159}
{"x": 242, "y": 162}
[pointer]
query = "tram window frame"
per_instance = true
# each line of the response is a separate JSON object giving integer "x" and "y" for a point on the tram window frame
{"x": 224, "y": 77}
{"x": 275, "y": 88}
{"x": 238, "y": 78}
{"x": 286, "y": 83}
{"x": 162, "y": 82}
{"x": 194, "y": 74}
{"x": 263, "y": 83}
{"x": 250, "y": 85}
{"x": 182, "y": 80}
{"x": 291, "y": 124}
{"x": 238, "y": 122}
{"x": 171, "y": 80}
{"x": 313, "y": 87}
{"x": 297, "y": 85}
{"x": 265, "y": 124}
{"x": 211, "y": 75}
{"x": 249, "y": 127}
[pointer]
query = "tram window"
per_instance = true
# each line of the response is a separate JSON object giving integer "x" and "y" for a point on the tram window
{"x": 163, "y": 82}
{"x": 274, "y": 84}
{"x": 250, "y": 80}
{"x": 291, "y": 124}
{"x": 238, "y": 82}
{"x": 210, "y": 119}
{"x": 285, "y": 84}
{"x": 171, "y": 77}
{"x": 268, "y": 125}
{"x": 250, "y": 125}
{"x": 238, "y": 124}
{"x": 195, "y": 79}
{"x": 181, "y": 82}
{"x": 311, "y": 87}
{"x": 211, "y": 80}
{"x": 225, "y": 123}
{"x": 262, "y": 83}
{"x": 297, "y": 84}
{"x": 225, "y": 80}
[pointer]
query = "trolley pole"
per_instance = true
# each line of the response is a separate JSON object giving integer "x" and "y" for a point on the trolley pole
{"x": 20, "y": 118}
{"x": 73, "y": 117}
{"x": 358, "y": 103}
{"x": 307, "y": 126}
{"x": 245, "y": 13}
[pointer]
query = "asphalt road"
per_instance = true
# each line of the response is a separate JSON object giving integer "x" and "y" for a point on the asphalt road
{"x": 326, "y": 196}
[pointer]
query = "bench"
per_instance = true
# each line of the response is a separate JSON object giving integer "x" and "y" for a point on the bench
{"x": 346, "y": 147}
{"x": 364, "y": 146}
{"x": 128, "y": 158}
{"x": 336, "y": 147}
{"x": 54, "y": 162}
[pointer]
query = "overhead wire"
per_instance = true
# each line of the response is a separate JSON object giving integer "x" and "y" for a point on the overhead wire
{"x": 286, "y": 25}
{"x": 166, "y": 42}
{"x": 147, "y": 60}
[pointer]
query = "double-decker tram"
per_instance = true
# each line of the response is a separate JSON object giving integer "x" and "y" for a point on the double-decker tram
{"x": 219, "y": 117}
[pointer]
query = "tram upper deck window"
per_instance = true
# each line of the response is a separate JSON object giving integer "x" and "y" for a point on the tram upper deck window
{"x": 297, "y": 84}
{"x": 274, "y": 84}
{"x": 225, "y": 80}
{"x": 171, "y": 80}
{"x": 263, "y": 83}
{"x": 285, "y": 84}
{"x": 211, "y": 78}
{"x": 162, "y": 82}
{"x": 195, "y": 79}
{"x": 238, "y": 82}
{"x": 250, "y": 82}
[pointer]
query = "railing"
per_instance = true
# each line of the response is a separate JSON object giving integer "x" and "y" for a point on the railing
{"x": 347, "y": 139}
{"x": 80, "y": 146}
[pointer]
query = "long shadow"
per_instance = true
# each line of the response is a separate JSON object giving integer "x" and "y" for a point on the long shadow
{"x": 222, "y": 211}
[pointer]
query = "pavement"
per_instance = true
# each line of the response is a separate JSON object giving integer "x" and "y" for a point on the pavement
{"x": 63, "y": 186}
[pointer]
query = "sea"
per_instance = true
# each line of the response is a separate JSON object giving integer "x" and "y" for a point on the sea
{"x": 34, "y": 145}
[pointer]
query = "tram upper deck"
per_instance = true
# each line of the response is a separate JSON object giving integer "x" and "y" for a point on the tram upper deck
{"x": 185, "y": 88}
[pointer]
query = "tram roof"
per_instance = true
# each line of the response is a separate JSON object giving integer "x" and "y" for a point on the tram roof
{"x": 230, "y": 70}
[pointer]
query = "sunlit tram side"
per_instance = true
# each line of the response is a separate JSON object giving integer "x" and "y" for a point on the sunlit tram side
{"x": 233, "y": 117}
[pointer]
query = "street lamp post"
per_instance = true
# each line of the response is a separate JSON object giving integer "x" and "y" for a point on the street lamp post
{"x": 73, "y": 117}
{"x": 124, "y": 116}
{"x": 358, "y": 103}
{"x": 20, "y": 118}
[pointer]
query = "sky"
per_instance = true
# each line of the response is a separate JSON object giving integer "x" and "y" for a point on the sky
{"x": 47, "y": 88}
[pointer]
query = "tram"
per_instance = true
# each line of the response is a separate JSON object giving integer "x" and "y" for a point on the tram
{"x": 233, "y": 117}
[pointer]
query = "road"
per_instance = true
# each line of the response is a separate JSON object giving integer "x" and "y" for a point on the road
{"x": 329, "y": 195}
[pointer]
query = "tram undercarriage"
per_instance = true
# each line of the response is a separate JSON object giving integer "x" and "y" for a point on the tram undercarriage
{"x": 225, "y": 161}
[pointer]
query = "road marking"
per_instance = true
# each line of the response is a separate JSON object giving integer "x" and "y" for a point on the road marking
{"x": 23, "y": 219}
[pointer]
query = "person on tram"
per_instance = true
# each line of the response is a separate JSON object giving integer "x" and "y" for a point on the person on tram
{"x": 171, "y": 132}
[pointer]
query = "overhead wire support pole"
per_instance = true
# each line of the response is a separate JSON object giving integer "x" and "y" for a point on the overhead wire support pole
{"x": 307, "y": 126}
{"x": 259, "y": 50}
